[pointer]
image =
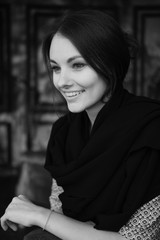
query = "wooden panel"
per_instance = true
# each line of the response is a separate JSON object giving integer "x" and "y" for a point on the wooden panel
{"x": 5, "y": 94}
{"x": 41, "y": 93}
{"x": 147, "y": 67}
{"x": 5, "y": 144}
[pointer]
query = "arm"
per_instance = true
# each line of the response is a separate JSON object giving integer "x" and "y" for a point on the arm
{"x": 70, "y": 229}
{"x": 22, "y": 211}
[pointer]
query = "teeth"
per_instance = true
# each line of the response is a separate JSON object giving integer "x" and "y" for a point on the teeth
{"x": 73, "y": 94}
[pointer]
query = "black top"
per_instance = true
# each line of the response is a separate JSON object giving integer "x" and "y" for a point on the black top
{"x": 109, "y": 173}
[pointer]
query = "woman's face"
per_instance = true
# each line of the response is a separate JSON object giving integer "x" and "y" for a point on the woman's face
{"x": 79, "y": 84}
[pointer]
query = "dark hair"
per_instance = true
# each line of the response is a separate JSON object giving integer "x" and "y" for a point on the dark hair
{"x": 100, "y": 41}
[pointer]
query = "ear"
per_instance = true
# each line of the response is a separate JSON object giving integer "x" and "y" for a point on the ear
{"x": 106, "y": 97}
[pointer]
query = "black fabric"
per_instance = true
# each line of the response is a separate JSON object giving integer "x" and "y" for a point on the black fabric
{"x": 109, "y": 173}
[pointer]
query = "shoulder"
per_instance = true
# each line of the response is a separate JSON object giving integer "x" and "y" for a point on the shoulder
{"x": 143, "y": 113}
{"x": 142, "y": 104}
{"x": 142, "y": 99}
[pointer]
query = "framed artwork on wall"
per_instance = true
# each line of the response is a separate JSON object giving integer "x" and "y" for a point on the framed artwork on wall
{"x": 38, "y": 140}
{"x": 5, "y": 89}
{"x": 147, "y": 67}
{"x": 40, "y": 136}
{"x": 42, "y": 96}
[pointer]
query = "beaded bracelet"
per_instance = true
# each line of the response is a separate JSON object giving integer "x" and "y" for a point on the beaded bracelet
{"x": 47, "y": 220}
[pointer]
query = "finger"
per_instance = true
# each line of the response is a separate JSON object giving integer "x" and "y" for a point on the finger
{"x": 4, "y": 223}
{"x": 22, "y": 197}
{"x": 14, "y": 200}
{"x": 12, "y": 225}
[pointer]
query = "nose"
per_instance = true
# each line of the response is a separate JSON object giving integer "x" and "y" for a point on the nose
{"x": 64, "y": 80}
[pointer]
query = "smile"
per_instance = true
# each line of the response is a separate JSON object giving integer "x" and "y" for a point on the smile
{"x": 73, "y": 94}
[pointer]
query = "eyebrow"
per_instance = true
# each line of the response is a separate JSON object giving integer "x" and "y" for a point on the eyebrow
{"x": 68, "y": 60}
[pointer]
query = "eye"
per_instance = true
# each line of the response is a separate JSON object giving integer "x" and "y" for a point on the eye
{"x": 55, "y": 69}
{"x": 78, "y": 66}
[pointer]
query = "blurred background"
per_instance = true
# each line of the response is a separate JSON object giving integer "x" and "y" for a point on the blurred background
{"x": 26, "y": 94}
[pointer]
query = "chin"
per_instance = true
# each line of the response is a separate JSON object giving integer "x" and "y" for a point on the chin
{"x": 76, "y": 109}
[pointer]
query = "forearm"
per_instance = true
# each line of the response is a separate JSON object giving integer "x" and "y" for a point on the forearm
{"x": 69, "y": 229}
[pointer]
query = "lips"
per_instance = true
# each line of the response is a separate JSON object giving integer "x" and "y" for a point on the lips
{"x": 73, "y": 93}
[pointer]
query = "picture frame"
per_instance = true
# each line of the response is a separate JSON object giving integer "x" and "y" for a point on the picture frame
{"x": 147, "y": 68}
{"x": 40, "y": 135}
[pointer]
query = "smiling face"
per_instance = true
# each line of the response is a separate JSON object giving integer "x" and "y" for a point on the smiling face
{"x": 79, "y": 84}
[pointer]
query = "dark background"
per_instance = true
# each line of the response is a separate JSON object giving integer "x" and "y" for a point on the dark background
{"x": 26, "y": 96}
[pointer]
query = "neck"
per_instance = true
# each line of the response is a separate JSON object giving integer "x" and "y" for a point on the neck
{"x": 93, "y": 112}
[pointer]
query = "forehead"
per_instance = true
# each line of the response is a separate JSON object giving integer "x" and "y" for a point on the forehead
{"x": 62, "y": 48}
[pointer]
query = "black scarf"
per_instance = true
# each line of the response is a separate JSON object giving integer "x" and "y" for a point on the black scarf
{"x": 109, "y": 173}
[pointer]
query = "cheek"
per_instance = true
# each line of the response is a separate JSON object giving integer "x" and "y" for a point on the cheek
{"x": 87, "y": 79}
{"x": 98, "y": 89}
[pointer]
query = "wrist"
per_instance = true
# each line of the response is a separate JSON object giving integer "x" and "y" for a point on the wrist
{"x": 42, "y": 217}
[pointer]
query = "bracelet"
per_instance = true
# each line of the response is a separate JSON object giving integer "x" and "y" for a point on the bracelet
{"x": 47, "y": 220}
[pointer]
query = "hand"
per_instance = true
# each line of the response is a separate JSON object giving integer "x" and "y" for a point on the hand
{"x": 20, "y": 211}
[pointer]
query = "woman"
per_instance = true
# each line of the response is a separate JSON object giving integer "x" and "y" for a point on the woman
{"x": 103, "y": 155}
